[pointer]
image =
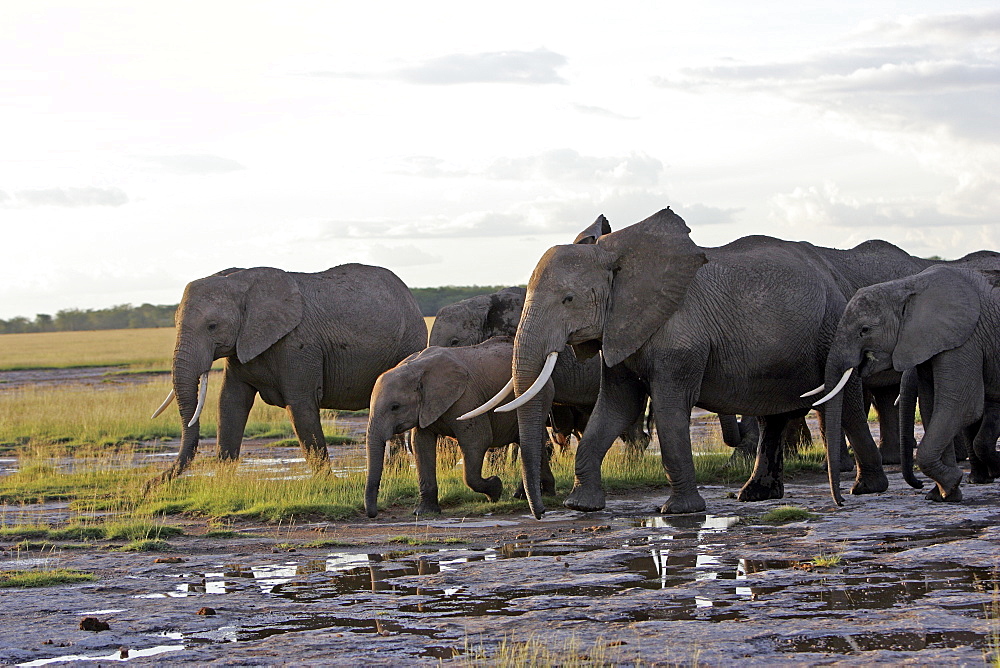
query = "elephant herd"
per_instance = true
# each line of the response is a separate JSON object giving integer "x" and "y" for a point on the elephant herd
{"x": 607, "y": 325}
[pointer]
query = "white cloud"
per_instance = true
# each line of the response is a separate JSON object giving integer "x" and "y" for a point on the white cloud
{"x": 520, "y": 67}
{"x": 193, "y": 164}
{"x": 65, "y": 197}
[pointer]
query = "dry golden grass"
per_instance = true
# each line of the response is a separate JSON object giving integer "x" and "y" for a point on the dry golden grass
{"x": 146, "y": 348}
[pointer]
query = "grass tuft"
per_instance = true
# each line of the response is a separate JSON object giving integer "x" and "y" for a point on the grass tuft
{"x": 42, "y": 578}
{"x": 785, "y": 514}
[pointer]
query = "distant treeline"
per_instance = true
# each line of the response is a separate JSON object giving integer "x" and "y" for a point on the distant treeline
{"x": 126, "y": 316}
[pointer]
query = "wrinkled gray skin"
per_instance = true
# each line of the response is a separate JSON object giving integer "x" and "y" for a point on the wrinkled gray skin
{"x": 943, "y": 322}
{"x": 576, "y": 383}
{"x": 426, "y": 392}
{"x": 300, "y": 341}
{"x": 979, "y": 444}
{"x": 741, "y": 329}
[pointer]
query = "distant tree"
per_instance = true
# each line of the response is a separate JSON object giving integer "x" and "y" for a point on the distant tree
{"x": 44, "y": 323}
{"x": 431, "y": 300}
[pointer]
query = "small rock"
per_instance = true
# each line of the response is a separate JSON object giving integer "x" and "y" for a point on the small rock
{"x": 207, "y": 611}
{"x": 168, "y": 560}
{"x": 291, "y": 549}
{"x": 123, "y": 652}
{"x": 521, "y": 536}
{"x": 48, "y": 642}
{"x": 93, "y": 624}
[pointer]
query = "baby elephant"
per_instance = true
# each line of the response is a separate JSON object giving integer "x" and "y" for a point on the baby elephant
{"x": 942, "y": 321}
{"x": 426, "y": 392}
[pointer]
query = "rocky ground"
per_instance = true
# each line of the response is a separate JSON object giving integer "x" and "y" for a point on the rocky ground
{"x": 887, "y": 579}
{"x": 915, "y": 584}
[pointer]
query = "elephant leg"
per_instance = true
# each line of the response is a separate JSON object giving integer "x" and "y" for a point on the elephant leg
{"x": 561, "y": 424}
{"x": 309, "y": 430}
{"x": 425, "y": 455}
{"x": 978, "y": 468}
{"x": 958, "y": 402}
{"x": 235, "y": 401}
{"x": 871, "y": 478}
{"x": 766, "y": 480}
{"x": 884, "y": 400}
{"x": 619, "y": 403}
{"x": 730, "y": 425}
{"x": 984, "y": 446}
{"x": 474, "y": 439}
{"x": 673, "y": 414}
{"x": 636, "y": 438}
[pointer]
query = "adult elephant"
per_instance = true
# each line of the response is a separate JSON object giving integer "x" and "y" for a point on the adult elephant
{"x": 576, "y": 383}
{"x": 943, "y": 322}
{"x": 301, "y": 341}
{"x": 741, "y": 329}
{"x": 427, "y": 392}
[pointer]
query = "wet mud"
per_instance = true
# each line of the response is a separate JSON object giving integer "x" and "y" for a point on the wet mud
{"x": 910, "y": 581}
{"x": 888, "y": 579}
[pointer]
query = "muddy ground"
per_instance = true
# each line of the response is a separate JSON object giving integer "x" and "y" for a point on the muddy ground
{"x": 915, "y": 584}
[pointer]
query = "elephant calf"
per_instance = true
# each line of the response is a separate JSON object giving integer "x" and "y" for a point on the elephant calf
{"x": 426, "y": 392}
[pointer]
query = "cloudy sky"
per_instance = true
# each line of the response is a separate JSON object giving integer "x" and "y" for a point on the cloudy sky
{"x": 147, "y": 144}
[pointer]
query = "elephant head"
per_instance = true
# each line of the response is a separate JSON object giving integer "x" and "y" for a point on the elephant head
{"x": 895, "y": 325}
{"x": 612, "y": 296}
{"x": 235, "y": 313}
{"x": 476, "y": 319}
{"x": 414, "y": 393}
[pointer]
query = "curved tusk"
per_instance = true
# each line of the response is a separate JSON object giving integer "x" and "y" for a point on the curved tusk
{"x": 163, "y": 406}
{"x": 813, "y": 392}
{"x": 896, "y": 402}
{"x": 485, "y": 408}
{"x": 834, "y": 391}
{"x": 202, "y": 391}
{"x": 536, "y": 387}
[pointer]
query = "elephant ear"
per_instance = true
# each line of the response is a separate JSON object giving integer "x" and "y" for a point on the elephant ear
{"x": 654, "y": 263}
{"x": 272, "y": 308}
{"x": 939, "y": 314}
{"x": 441, "y": 385}
{"x": 504, "y": 312}
{"x": 597, "y": 229}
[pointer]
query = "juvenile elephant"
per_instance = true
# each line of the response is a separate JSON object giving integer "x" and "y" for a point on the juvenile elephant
{"x": 426, "y": 392}
{"x": 301, "y": 341}
{"x": 576, "y": 383}
{"x": 942, "y": 321}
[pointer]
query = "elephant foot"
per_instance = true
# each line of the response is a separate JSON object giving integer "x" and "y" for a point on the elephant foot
{"x": 492, "y": 487}
{"x": 427, "y": 508}
{"x": 980, "y": 478}
{"x": 587, "y": 499}
{"x": 874, "y": 482}
{"x": 954, "y": 496}
{"x": 688, "y": 503}
{"x": 889, "y": 455}
{"x": 761, "y": 489}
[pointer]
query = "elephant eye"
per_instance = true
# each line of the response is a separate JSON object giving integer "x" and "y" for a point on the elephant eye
{"x": 567, "y": 299}
{"x": 454, "y": 342}
{"x": 865, "y": 329}
{"x": 212, "y": 327}
{"x": 394, "y": 407}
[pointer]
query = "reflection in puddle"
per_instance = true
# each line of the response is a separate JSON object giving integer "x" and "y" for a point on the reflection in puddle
{"x": 132, "y": 654}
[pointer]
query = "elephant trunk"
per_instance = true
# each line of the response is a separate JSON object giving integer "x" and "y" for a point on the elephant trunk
{"x": 530, "y": 354}
{"x": 907, "y": 416}
{"x": 190, "y": 378}
{"x": 375, "y": 440}
{"x": 840, "y": 364}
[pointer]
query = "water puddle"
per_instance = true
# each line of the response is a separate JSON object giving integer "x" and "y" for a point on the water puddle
{"x": 867, "y": 642}
{"x": 117, "y": 656}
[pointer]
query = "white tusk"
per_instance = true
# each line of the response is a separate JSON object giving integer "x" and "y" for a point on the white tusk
{"x": 896, "y": 402}
{"x": 163, "y": 406}
{"x": 834, "y": 391}
{"x": 202, "y": 391}
{"x": 485, "y": 408}
{"x": 813, "y": 392}
{"x": 535, "y": 388}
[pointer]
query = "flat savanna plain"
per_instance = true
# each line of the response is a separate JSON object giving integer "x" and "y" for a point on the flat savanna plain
{"x": 262, "y": 562}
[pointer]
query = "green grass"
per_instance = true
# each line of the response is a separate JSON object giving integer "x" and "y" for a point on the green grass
{"x": 145, "y": 545}
{"x": 825, "y": 560}
{"x": 144, "y": 348}
{"x": 42, "y": 578}
{"x": 785, "y": 514}
{"x": 567, "y": 653}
